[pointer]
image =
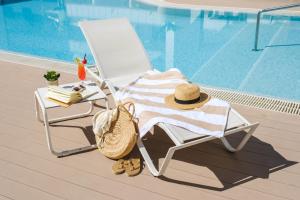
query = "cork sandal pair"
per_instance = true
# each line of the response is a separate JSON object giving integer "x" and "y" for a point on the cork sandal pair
{"x": 131, "y": 167}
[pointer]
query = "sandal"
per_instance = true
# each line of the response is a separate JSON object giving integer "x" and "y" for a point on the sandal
{"x": 119, "y": 167}
{"x": 133, "y": 167}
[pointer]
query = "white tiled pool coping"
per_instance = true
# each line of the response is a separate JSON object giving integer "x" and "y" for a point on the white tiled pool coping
{"x": 165, "y": 4}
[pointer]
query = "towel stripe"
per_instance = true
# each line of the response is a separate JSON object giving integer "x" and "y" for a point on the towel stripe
{"x": 148, "y": 94}
{"x": 155, "y": 90}
{"x": 207, "y": 109}
{"x": 181, "y": 124}
{"x": 213, "y": 106}
{"x": 164, "y": 81}
{"x": 162, "y": 76}
{"x": 190, "y": 114}
{"x": 157, "y": 86}
{"x": 147, "y": 115}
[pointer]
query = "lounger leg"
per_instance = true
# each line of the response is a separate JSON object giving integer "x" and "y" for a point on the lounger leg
{"x": 169, "y": 154}
{"x": 149, "y": 161}
{"x": 245, "y": 139}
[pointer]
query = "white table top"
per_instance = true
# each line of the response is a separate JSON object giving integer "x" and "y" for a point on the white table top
{"x": 42, "y": 92}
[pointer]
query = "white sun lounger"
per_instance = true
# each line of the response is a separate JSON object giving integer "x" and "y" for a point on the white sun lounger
{"x": 120, "y": 59}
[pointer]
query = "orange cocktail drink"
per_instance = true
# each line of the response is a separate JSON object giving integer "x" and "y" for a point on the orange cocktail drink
{"x": 81, "y": 71}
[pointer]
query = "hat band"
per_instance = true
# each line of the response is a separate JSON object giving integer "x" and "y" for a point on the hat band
{"x": 187, "y": 101}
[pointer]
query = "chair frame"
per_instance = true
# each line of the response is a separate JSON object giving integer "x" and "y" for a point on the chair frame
{"x": 99, "y": 76}
{"x": 178, "y": 145}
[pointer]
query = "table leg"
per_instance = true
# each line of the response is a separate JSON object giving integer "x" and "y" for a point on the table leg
{"x": 40, "y": 108}
{"x": 65, "y": 152}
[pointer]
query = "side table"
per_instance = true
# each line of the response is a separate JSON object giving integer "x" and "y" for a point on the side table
{"x": 42, "y": 104}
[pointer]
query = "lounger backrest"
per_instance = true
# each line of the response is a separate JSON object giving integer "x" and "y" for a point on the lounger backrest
{"x": 116, "y": 48}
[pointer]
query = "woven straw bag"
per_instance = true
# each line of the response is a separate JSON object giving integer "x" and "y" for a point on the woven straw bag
{"x": 120, "y": 138}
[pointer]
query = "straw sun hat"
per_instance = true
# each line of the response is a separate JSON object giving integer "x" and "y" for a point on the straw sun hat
{"x": 187, "y": 96}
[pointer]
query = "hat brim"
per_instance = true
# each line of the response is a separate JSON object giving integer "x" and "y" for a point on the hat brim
{"x": 170, "y": 101}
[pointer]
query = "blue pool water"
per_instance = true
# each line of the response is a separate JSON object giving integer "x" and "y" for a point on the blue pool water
{"x": 210, "y": 47}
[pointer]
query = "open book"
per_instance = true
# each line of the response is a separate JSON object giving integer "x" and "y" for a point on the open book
{"x": 68, "y": 96}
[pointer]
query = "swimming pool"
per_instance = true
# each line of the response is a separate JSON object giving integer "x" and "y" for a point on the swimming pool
{"x": 212, "y": 48}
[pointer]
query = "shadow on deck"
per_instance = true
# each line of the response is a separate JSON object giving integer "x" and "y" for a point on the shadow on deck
{"x": 258, "y": 159}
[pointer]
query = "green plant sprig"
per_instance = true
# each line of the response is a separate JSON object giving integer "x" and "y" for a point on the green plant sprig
{"x": 51, "y": 75}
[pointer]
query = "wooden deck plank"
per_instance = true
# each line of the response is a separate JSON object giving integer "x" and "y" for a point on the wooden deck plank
{"x": 93, "y": 165}
{"x": 205, "y": 180}
{"x": 75, "y": 177}
{"x": 149, "y": 177}
{"x": 2, "y": 197}
{"x": 221, "y": 152}
{"x": 279, "y": 134}
{"x": 266, "y": 169}
{"x": 49, "y": 184}
{"x": 10, "y": 189}
{"x": 280, "y": 121}
{"x": 241, "y": 162}
{"x": 93, "y": 159}
{"x": 194, "y": 192}
{"x": 232, "y": 171}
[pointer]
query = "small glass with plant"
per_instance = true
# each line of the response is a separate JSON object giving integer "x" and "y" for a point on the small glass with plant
{"x": 52, "y": 77}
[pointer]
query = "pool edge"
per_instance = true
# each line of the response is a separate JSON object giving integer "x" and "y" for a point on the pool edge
{"x": 163, "y": 4}
{"x": 38, "y": 62}
{"x": 235, "y": 97}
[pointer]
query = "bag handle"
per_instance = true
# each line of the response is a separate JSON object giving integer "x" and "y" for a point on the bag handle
{"x": 130, "y": 106}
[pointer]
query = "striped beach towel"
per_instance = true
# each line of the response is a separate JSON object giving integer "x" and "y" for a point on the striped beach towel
{"x": 148, "y": 93}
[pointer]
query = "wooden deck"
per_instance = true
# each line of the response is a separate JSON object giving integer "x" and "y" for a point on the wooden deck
{"x": 267, "y": 168}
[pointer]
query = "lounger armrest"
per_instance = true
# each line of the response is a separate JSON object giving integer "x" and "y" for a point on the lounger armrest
{"x": 95, "y": 76}
{"x": 102, "y": 82}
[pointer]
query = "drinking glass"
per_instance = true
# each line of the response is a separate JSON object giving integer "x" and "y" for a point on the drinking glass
{"x": 81, "y": 73}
